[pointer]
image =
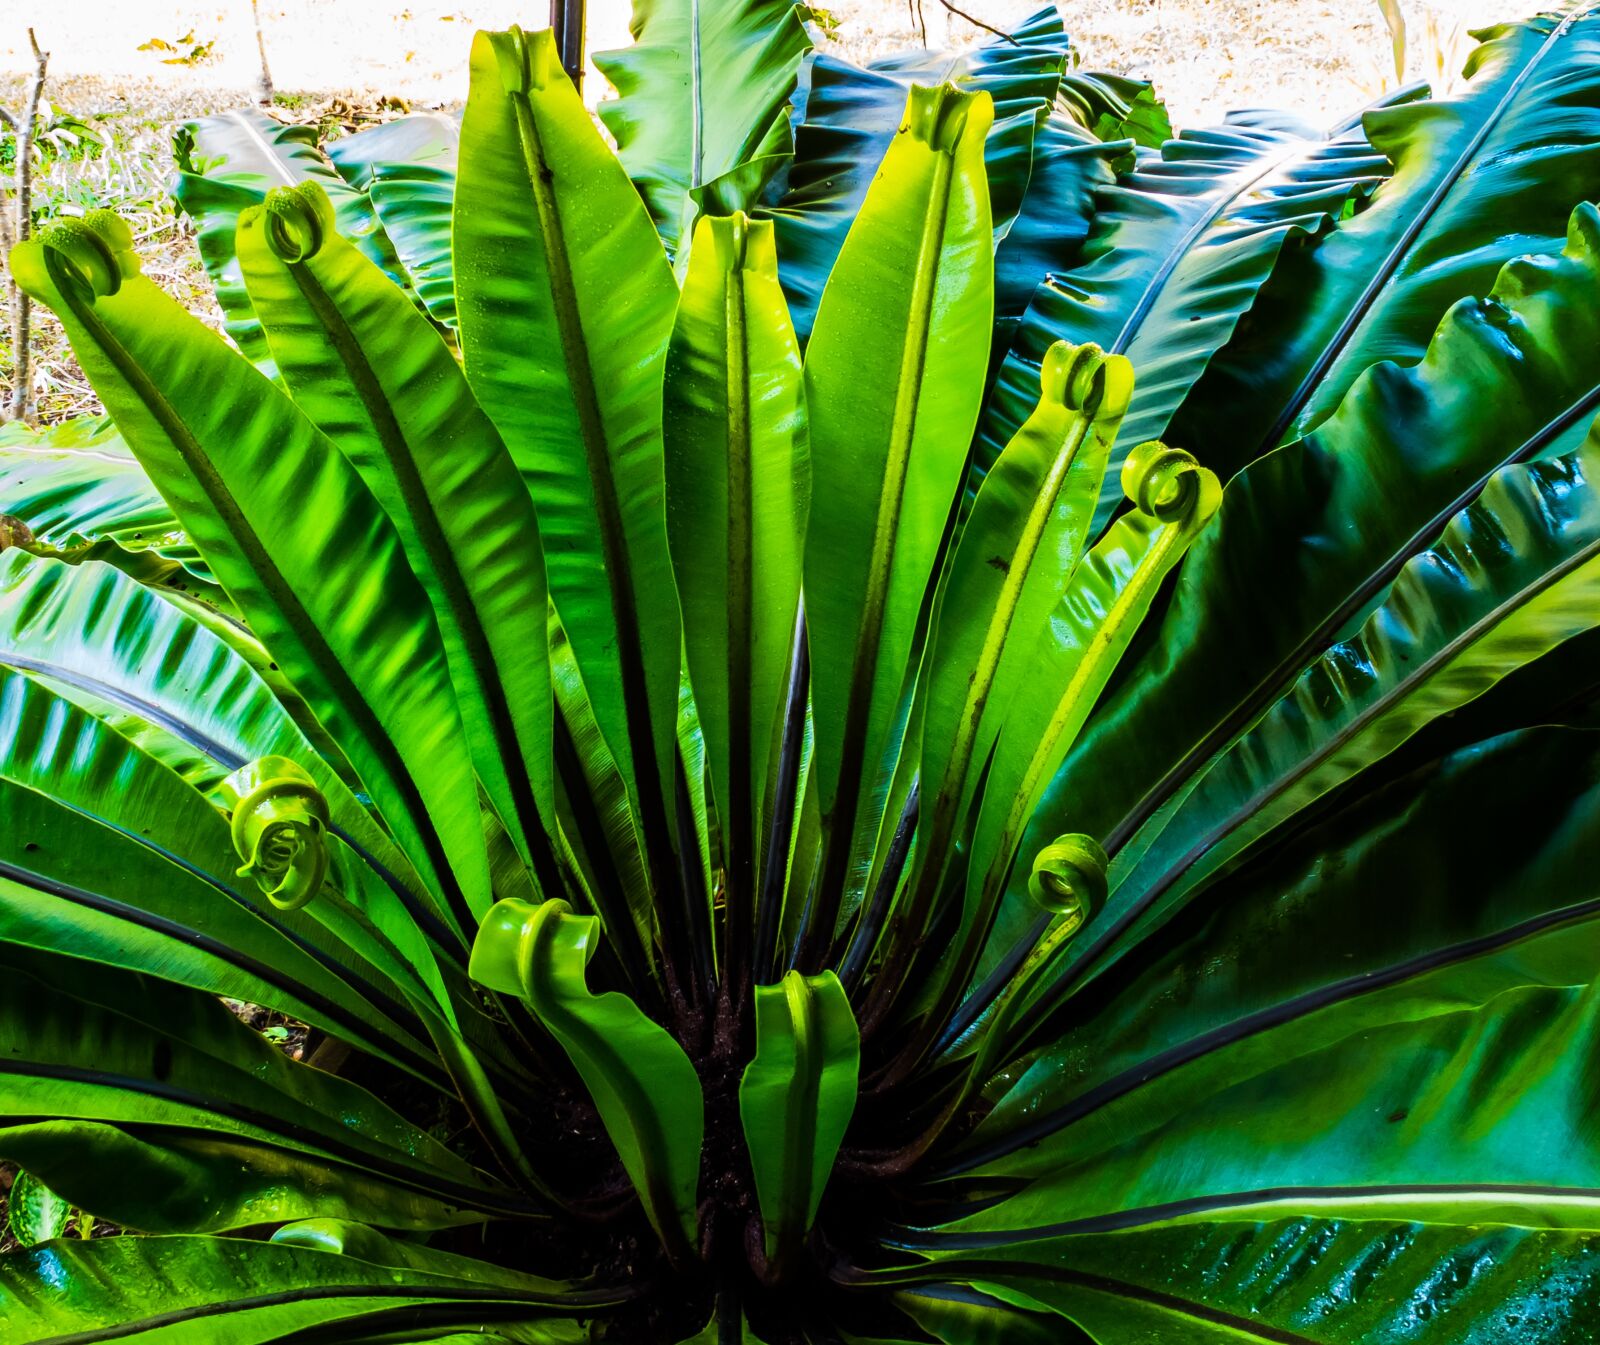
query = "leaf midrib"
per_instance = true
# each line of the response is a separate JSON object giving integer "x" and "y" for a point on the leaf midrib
{"x": 1225, "y": 197}
{"x": 891, "y": 500}
{"x": 1164, "y": 1062}
{"x": 617, "y": 561}
{"x": 586, "y": 1299}
{"x": 376, "y": 997}
{"x": 448, "y": 943}
{"x": 1318, "y": 639}
{"x": 1122, "y": 1220}
{"x": 288, "y": 1136}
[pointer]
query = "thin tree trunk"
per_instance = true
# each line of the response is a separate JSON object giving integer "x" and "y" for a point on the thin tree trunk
{"x": 566, "y": 21}
{"x": 264, "y": 92}
{"x": 19, "y": 406}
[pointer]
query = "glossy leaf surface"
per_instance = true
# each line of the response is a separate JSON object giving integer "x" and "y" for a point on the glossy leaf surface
{"x": 363, "y": 364}
{"x": 890, "y": 420}
{"x": 1178, "y": 249}
{"x": 292, "y": 534}
{"x": 796, "y": 1098}
{"x": 187, "y": 1289}
{"x": 738, "y": 492}
{"x": 77, "y": 488}
{"x": 881, "y": 1045}
{"x": 407, "y": 168}
{"x": 639, "y": 1078}
{"x": 573, "y": 381}
{"x": 229, "y": 162}
{"x": 1503, "y": 380}
{"x": 1513, "y": 576}
{"x": 703, "y": 103}
{"x": 1478, "y": 180}
{"x": 852, "y": 116}
{"x": 173, "y": 1117}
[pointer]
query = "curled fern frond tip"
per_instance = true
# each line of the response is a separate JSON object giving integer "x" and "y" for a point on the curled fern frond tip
{"x": 1167, "y": 483}
{"x": 943, "y": 115}
{"x": 97, "y": 252}
{"x": 1084, "y": 378}
{"x": 297, "y": 220}
{"x": 527, "y": 61}
{"x": 1069, "y": 878}
{"x": 279, "y": 823}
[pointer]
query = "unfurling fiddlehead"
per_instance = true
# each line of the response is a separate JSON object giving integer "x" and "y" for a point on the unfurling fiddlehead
{"x": 1163, "y": 482}
{"x": 1069, "y": 879}
{"x": 297, "y": 219}
{"x": 279, "y": 820}
{"x": 97, "y": 252}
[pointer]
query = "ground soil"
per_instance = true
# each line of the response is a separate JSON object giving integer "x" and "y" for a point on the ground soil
{"x": 1315, "y": 56}
{"x": 135, "y": 68}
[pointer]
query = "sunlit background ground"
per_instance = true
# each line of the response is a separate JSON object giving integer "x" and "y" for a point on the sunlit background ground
{"x": 1205, "y": 55}
{"x": 129, "y": 69}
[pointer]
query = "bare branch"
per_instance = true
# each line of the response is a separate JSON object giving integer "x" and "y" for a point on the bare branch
{"x": 914, "y": 8}
{"x": 19, "y": 406}
{"x": 979, "y": 23}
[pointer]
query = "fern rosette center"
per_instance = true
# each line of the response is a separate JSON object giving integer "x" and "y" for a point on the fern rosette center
{"x": 661, "y": 744}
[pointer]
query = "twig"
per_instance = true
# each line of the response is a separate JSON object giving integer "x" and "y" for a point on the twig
{"x": 156, "y": 232}
{"x": 20, "y": 404}
{"x": 976, "y": 23}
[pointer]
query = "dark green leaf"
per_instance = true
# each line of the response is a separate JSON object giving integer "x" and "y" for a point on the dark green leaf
{"x": 176, "y": 1117}
{"x": 1503, "y": 380}
{"x": 852, "y": 115}
{"x": 1177, "y": 252}
{"x": 139, "y": 865}
{"x": 101, "y": 641}
{"x": 1307, "y": 1281}
{"x": 1314, "y": 922}
{"x": 1478, "y": 180}
{"x": 1514, "y": 575}
{"x": 1069, "y": 168}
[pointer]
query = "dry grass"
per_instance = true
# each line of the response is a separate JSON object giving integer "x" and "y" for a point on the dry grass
{"x": 329, "y": 57}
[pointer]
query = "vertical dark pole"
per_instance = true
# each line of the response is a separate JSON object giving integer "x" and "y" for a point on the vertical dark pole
{"x": 566, "y": 21}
